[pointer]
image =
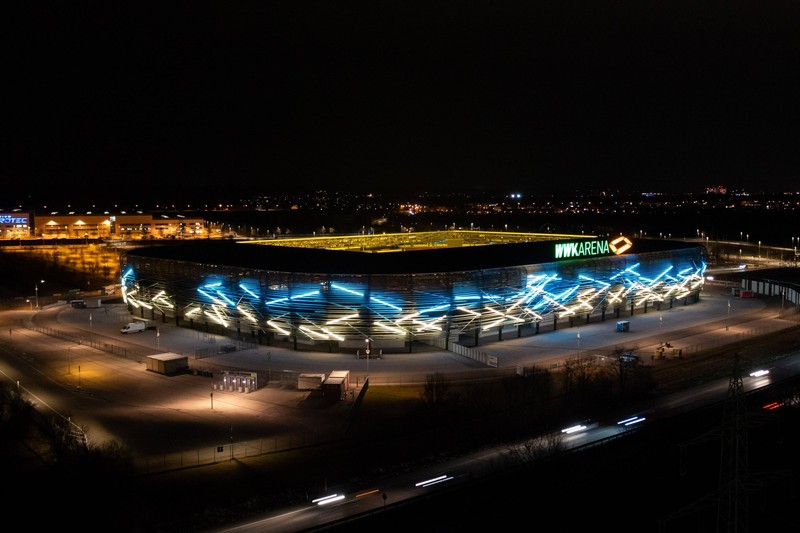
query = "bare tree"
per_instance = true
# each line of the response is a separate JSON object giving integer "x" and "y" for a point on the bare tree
{"x": 537, "y": 447}
{"x": 435, "y": 392}
{"x": 579, "y": 373}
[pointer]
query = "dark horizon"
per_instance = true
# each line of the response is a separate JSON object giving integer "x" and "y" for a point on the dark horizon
{"x": 531, "y": 96}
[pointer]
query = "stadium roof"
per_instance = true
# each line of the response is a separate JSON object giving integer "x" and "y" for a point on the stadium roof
{"x": 456, "y": 251}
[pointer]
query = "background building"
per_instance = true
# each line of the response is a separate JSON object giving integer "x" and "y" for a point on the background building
{"x": 16, "y": 225}
{"x": 26, "y": 225}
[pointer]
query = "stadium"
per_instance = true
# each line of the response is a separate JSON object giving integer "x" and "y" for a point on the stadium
{"x": 391, "y": 290}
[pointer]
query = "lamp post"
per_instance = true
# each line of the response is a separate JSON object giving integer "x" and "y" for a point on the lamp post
{"x": 727, "y": 322}
{"x": 368, "y": 340}
{"x": 36, "y": 289}
{"x": 69, "y": 360}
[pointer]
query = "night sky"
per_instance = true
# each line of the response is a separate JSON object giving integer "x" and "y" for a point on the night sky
{"x": 239, "y": 98}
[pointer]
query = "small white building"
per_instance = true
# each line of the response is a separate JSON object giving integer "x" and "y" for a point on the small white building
{"x": 167, "y": 363}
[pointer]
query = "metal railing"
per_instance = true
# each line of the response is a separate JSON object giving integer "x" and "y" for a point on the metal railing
{"x": 227, "y": 451}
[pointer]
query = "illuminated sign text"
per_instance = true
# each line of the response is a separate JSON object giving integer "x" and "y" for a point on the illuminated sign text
{"x": 11, "y": 219}
{"x": 565, "y": 250}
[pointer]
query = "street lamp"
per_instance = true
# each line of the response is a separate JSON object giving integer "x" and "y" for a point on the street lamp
{"x": 368, "y": 341}
{"x": 728, "y": 321}
{"x": 36, "y": 288}
{"x": 69, "y": 357}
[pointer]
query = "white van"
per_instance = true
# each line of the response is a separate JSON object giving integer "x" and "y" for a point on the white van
{"x": 133, "y": 327}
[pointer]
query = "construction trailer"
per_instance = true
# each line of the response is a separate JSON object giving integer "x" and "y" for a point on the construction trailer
{"x": 167, "y": 363}
{"x": 337, "y": 384}
{"x": 310, "y": 381}
{"x": 345, "y": 375}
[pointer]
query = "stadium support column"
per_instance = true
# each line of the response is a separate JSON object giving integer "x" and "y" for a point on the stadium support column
{"x": 555, "y": 321}
{"x": 177, "y": 306}
{"x": 478, "y": 325}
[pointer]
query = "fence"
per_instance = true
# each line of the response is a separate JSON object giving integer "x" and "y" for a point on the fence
{"x": 224, "y": 452}
{"x": 113, "y": 349}
{"x": 788, "y": 292}
{"x": 464, "y": 351}
{"x": 240, "y": 450}
{"x": 227, "y": 347}
{"x": 729, "y": 339}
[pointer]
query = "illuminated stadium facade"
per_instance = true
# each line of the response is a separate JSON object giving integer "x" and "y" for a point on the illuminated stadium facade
{"x": 393, "y": 289}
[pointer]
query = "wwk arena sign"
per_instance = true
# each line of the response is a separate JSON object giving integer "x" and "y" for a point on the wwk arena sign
{"x": 592, "y": 247}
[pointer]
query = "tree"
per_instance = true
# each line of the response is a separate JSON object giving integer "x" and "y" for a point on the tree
{"x": 435, "y": 393}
